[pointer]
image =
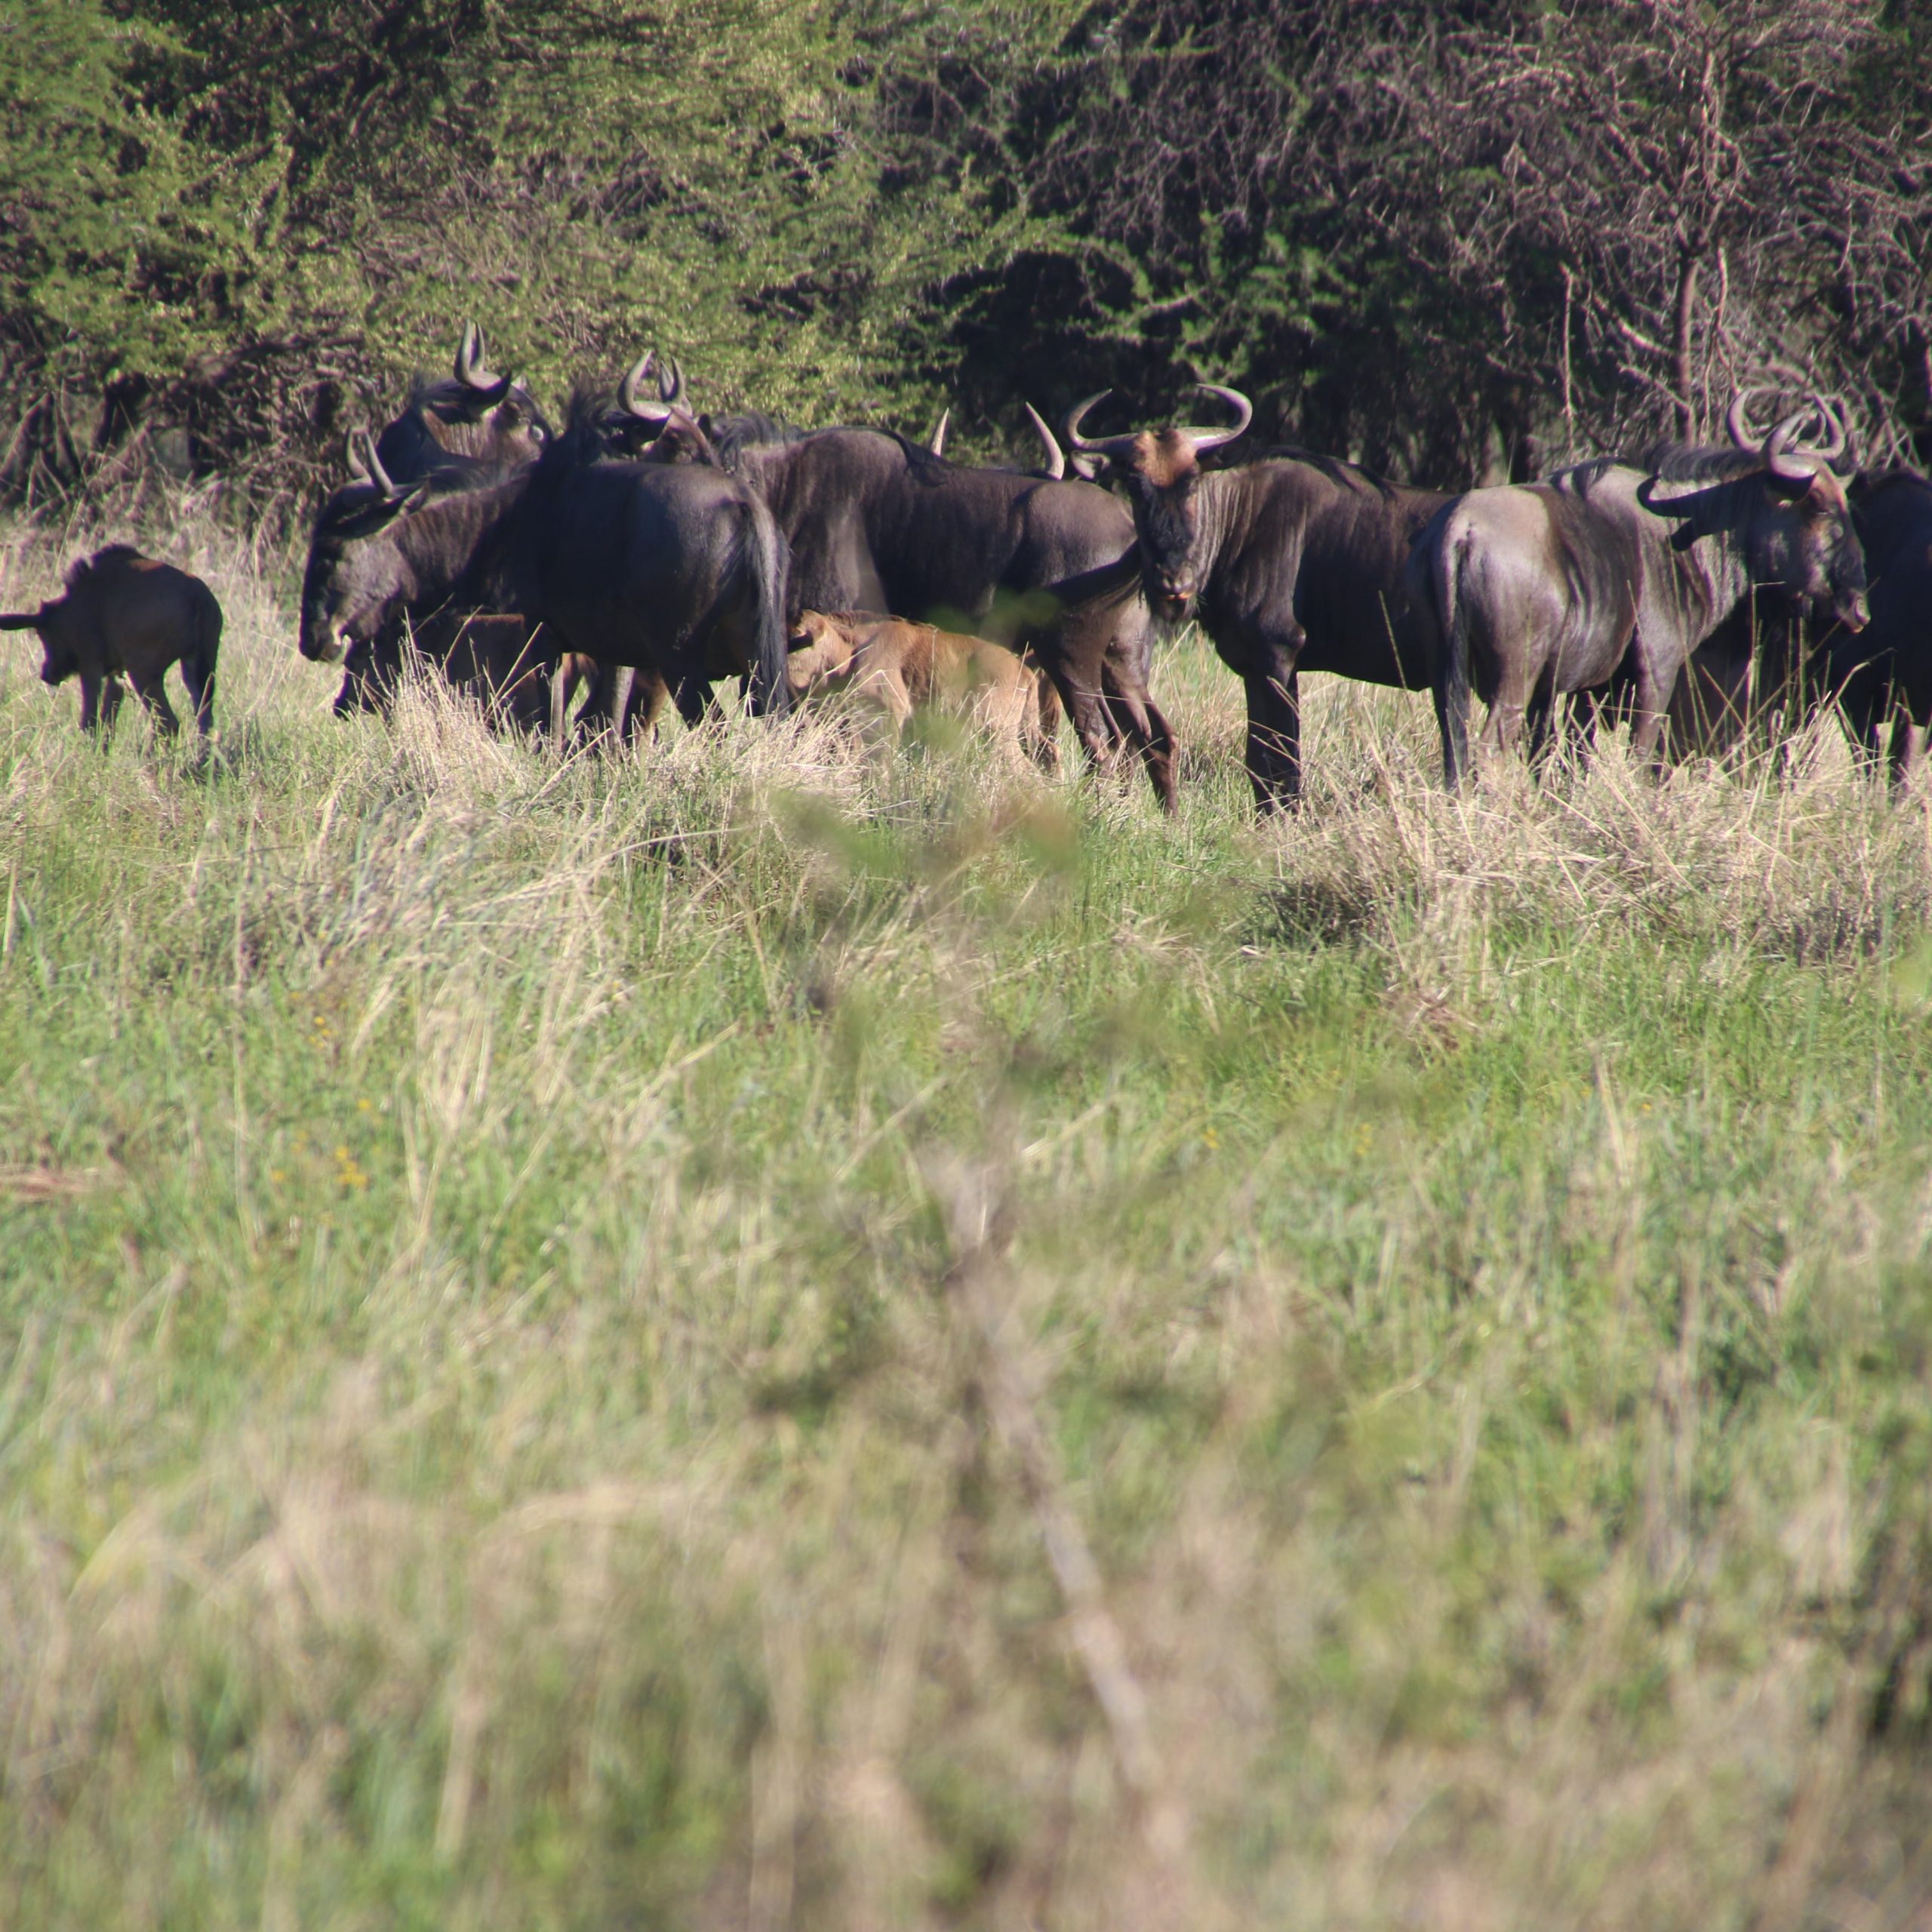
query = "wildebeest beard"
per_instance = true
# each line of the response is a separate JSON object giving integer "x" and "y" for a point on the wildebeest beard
{"x": 1166, "y": 532}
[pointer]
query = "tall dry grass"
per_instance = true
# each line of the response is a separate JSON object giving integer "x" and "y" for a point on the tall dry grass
{"x": 773, "y": 1333}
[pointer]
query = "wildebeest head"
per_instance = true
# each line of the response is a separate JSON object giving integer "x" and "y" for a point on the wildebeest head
{"x": 1801, "y": 537}
{"x": 656, "y": 429}
{"x": 474, "y": 416}
{"x": 354, "y": 580}
{"x": 57, "y": 660}
{"x": 1161, "y": 471}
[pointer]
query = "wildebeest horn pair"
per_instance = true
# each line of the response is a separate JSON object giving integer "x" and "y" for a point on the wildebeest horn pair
{"x": 1201, "y": 440}
{"x": 670, "y": 389}
{"x": 1781, "y": 455}
{"x": 366, "y": 466}
{"x": 1055, "y": 464}
{"x": 470, "y": 370}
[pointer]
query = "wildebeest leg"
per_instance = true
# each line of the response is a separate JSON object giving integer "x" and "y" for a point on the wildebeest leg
{"x": 606, "y": 711}
{"x": 886, "y": 690}
{"x": 1091, "y": 725}
{"x": 198, "y": 674}
{"x": 100, "y": 701}
{"x": 1863, "y": 701}
{"x": 1542, "y": 701}
{"x": 1140, "y": 721}
{"x": 150, "y": 691}
{"x": 697, "y": 701}
{"x": 645, "y": 705}
{"x": 1508, "y": 708}
{"x": 1581, "y": 730}
{"x": 1653, "y": 696}
{"x": 1908, "y": 745}
{"x": 1274, "y": 739}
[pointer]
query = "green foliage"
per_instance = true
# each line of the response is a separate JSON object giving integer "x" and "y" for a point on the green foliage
{"x": 1449, "y": 242}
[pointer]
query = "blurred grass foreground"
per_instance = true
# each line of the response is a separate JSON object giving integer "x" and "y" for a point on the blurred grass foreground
{"x": 770, "y": 1332}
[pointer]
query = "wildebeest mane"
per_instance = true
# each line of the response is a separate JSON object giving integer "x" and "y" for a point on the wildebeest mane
{"x": 751, "y": 428}
{"x": 1337, "y": 470}
{"x": 82, "y": 568}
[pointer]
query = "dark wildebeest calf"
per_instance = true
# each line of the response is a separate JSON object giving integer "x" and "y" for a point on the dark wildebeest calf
{"x": 1293, "y": 563}
{"x": 124, "y": 614}
{"x": 1540, "y": 588}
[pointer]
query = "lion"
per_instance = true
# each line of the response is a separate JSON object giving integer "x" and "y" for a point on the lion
{"x": 899, "y": 666}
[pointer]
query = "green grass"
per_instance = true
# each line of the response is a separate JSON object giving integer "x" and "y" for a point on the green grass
{"x": 545, "y": 1309}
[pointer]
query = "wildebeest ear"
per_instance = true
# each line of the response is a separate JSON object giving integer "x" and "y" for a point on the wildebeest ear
{"x": 20, "y": 620}
{"x": 1825, "y": 493}
{"x": 1686, "y": 512}
{"x": 368, "y": 518}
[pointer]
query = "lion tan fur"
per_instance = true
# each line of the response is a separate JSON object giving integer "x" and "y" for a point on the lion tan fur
{"x": 899, "y": 667}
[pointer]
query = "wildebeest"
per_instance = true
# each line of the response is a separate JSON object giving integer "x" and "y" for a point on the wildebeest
{"x": 1883, "y": 673}
{"x": 1540, "y": 588}
{"x": 504, "y": 661}
{"x": 474, "y": 421}
{"x": 124, "y": 614}
{"x": 1292, "y": 563}
{"x": 899, "y": 667}
{"x": 468, "y": 428}
{"x": 503, "y": 658}
{"x": 678, "y": 568}
{"x": 877, "y": 522}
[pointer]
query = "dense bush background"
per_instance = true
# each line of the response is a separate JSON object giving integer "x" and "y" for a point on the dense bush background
{"x": 1453, "y": 240}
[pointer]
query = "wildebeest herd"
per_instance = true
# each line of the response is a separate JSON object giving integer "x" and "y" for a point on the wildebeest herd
{"x": 580, "y": 580}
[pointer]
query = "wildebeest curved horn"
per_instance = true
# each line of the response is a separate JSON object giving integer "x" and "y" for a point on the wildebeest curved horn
{"x": 1204, "y": 440}
{"x": 671, "y": 381}
{"x": 372, "y": 471}
{"x": 636, "y": 405}
{"x": 937, "y": 443}
{"x": 358, "y": 470}
{"x": 1055, "y": 465}
{"x": 1117, "y": 447}
{"x": 1780, "y": 459}
{"x": 1737, "y": 418}
{"x": 470, "y": 370}
{"x": 1831, "y": 417}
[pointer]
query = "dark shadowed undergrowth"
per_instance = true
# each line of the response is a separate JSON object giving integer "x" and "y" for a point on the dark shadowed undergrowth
{"x": 769, "y": 1334}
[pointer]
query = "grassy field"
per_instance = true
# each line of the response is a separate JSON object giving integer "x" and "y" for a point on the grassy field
{"x": 765, "y": 1333}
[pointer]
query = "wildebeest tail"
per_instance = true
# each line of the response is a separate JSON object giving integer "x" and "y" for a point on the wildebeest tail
{"x": 770, "y": 564}
{"x": 198, "y": 663}
{"x": 1452, "y": 672}
{"x": 209, "y": 624}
